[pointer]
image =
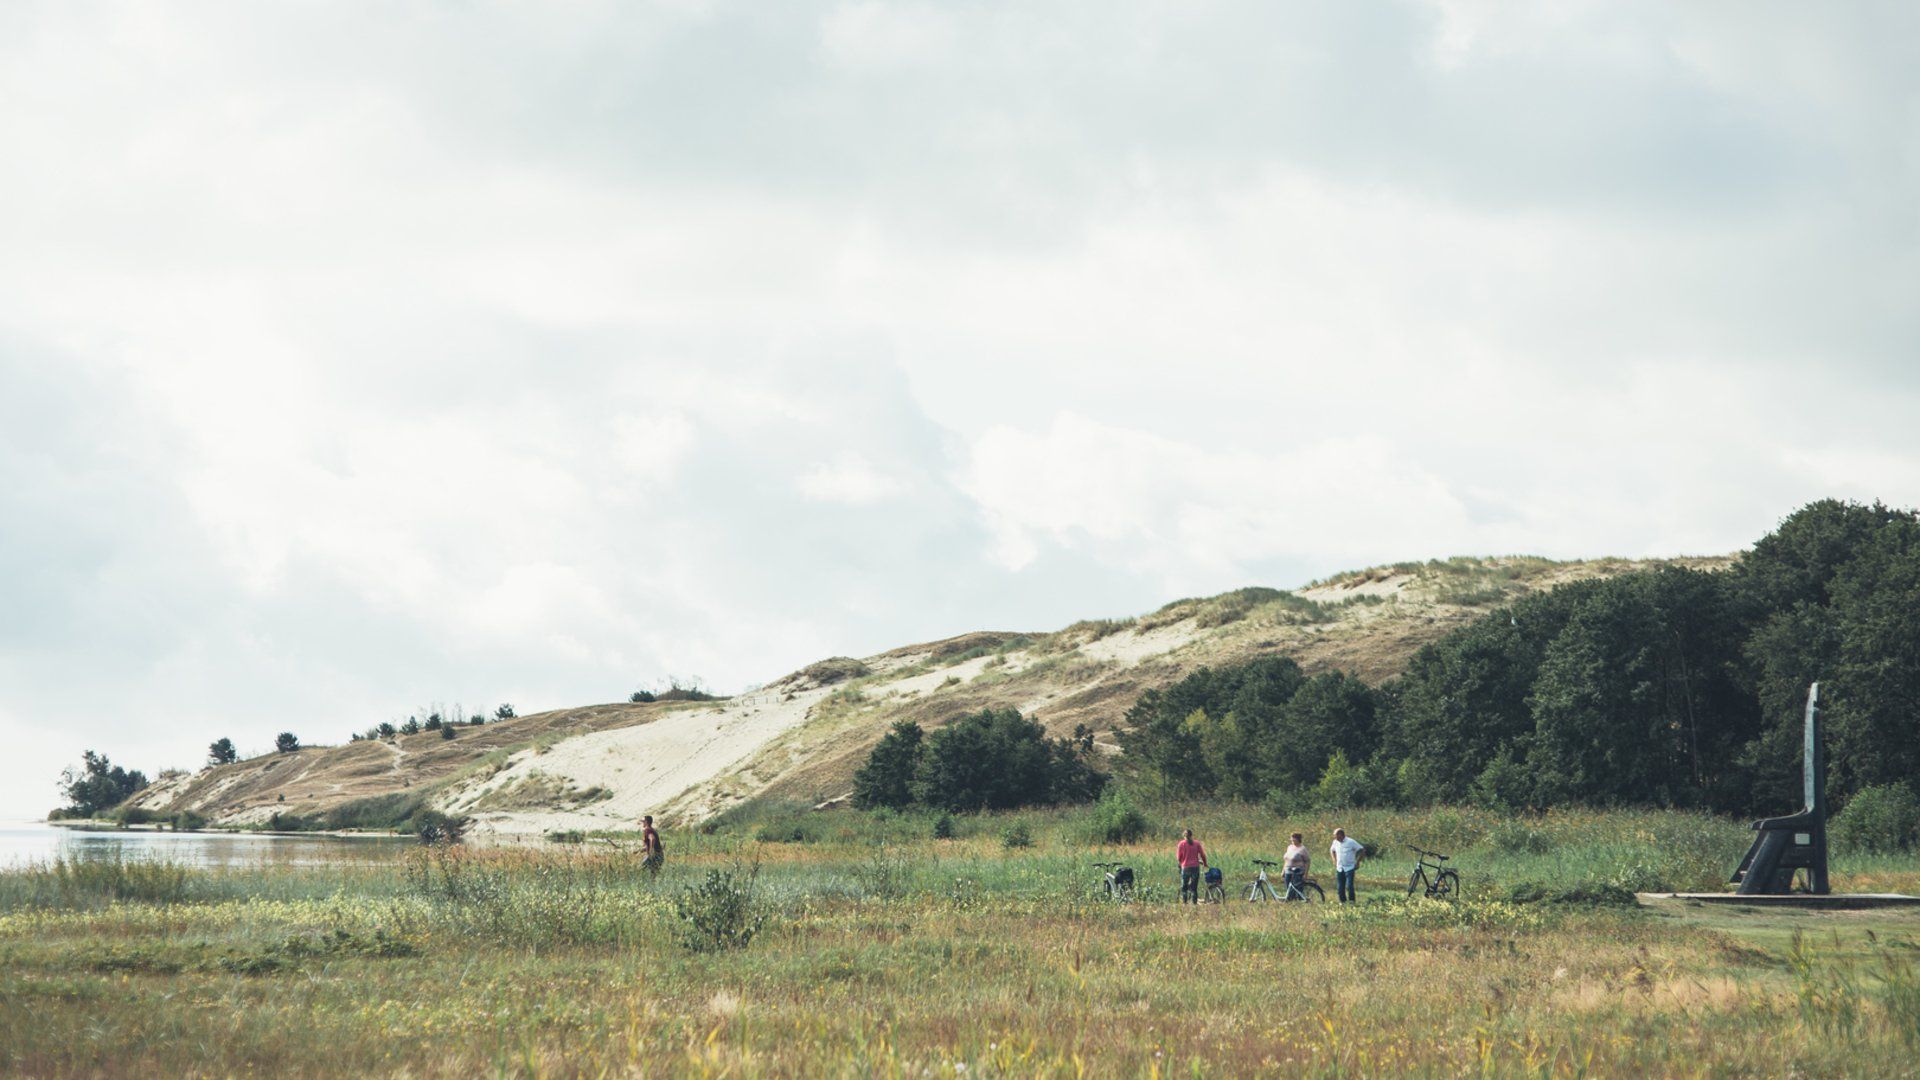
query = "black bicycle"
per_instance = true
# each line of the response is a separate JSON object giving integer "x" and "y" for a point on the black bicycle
{"x": 1118, "y": 880}
{"x": 1443, "y": 884}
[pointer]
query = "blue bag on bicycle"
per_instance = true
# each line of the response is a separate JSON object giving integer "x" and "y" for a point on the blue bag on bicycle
{"x": 1123, "y": 877}
{"x": 1213, "y": 875}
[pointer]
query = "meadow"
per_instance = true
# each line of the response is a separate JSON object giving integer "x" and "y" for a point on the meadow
{"x": 881, "y": 951}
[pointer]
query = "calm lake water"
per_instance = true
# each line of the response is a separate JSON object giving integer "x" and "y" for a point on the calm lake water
{"x": 33, "y": 841}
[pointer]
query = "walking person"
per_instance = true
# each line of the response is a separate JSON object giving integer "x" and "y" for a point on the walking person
{"x": 1346, "y": 860}
{"x": 1294, "y": 866}
{"x": 652, "y": 854}
{"x": 1191, "y": 857}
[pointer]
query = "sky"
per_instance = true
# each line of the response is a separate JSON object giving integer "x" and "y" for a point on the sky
{"x": 360, "y": 356}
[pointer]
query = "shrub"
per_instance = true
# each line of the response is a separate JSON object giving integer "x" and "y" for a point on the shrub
{"x": 943, "y": 827}
{"x": 1882, "y": 818}
{"x": 281, "y": 821}
{"x": 504, "y": 712}
{"x": 434, "y": 827}
{"x": 1016, "y": 836}
{"x": 221, "y": 752}
{"x": 835, "y": 669}
{"x": 1583, "y": 894}
{"x": 446, "y": 733}
{"x": 134, "y": 815}
{"x": 722, "y": 912}
{"x": 393, "y": 811}
{"x": 887, "y": 777}
{"x": 286, "y": 742}
{"x": 641, "y": 697}
{"x": 1521, "y": 837}
{"x": 187, "y": 821}
{"x": 1116, "y": 820}
{"x": 785, "y": 830}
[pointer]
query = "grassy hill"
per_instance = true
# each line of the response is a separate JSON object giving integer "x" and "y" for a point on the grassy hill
{"x": 602, "y": 766}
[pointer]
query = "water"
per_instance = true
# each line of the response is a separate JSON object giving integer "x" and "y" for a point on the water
{"x": 33, "y": 841}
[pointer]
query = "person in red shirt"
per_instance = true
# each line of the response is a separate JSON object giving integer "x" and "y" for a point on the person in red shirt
{"x": 1192, "y": 857}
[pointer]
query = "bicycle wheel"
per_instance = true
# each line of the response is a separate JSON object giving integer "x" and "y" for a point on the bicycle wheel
{"x": 1216, "y": 894}
{"x": 1446, "y": 886}
{"x": 1311, "y": 891}
{"x": 1418, "y": 883}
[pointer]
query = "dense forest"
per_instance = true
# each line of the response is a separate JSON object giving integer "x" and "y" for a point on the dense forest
{"x": 1669, "y": 687}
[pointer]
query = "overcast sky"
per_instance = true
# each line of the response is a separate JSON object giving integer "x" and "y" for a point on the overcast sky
{"x": 358, "y": 356}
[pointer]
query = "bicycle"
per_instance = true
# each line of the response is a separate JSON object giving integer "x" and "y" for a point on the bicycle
{"x": 1306, "y": 889}
{"x": 1445, "y": 883}
{"x": 1118, "y": 880}
{"x": 1216, "y": 886}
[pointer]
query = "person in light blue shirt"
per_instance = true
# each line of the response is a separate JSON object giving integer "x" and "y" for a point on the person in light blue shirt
{"x": 1346, "y": 860}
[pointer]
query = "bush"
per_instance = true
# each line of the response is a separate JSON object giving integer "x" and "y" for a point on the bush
{"x": 1880, "y": 819}
{"x": 1116, "y": 820}
{"x": 722, "y": 911}
{"x": 835, "y": 669}
{"x": 1584, "y": 894}
{"x": 943, "y": 827}
{"x": 187, "y": 821}
{"x": 1521, "y": 837}
{"x": 1016, "y": 836}
{"x": 286, "y": 742}
{"x": 434, "y": 827}
{"x": 446, "y": 733}
{"x": 281, "y": 821}
{"x": 786, "y": 830}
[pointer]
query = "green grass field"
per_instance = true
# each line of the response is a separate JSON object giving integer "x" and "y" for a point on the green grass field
{"x": 885, "y": 952}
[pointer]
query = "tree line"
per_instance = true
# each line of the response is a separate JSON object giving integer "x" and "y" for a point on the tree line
{"x": 1667, "y": 687}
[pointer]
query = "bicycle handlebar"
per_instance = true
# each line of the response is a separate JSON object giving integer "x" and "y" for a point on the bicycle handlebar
{"x": 1265, "y": 862}
{"x": 1435, "y": 854}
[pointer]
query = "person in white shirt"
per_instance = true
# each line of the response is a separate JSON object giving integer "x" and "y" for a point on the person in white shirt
{"x": 1294, "y": 867}
{"x": 1346, "y": 860}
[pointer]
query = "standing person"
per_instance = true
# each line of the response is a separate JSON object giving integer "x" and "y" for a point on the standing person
{"x": 1346, "y": 860}
{"x": 1294, "y": 865}
{"x": 1191, "y": 857}
{"x": 653, "y": 854}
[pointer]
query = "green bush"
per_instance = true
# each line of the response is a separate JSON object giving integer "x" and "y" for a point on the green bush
{"x": 722, "y": 912}
{"x": 187, "y": 821}
{"x": 1016, "y": 836}
{"x": 1882, "y": 818}
{"x": 943, "y": 827}
{"x": 1583, "y": 894}
{"x": 434, "y": 827}
{"x": 1520, "y": 836}
{"x": 1116, "y": 820}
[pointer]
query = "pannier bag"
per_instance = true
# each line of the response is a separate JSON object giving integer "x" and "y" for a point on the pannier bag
{"x": 1123, "y": 877}
{"x": 1213, "y": 875}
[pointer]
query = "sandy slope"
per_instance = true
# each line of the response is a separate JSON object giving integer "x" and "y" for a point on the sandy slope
{"x": 644, "y": 767}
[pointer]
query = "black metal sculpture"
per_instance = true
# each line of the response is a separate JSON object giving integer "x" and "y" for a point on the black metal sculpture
{"x": 1787, "y": 845}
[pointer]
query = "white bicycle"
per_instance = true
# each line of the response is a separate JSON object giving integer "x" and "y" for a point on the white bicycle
{"x": 1306, "y": 889}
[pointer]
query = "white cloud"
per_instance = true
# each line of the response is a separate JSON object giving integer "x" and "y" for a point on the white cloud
{"x": 497, "y": 351}
{"x": 848, "y": 479}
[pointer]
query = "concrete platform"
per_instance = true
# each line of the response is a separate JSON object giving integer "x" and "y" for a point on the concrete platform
{"x": 1832, "y": 901}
